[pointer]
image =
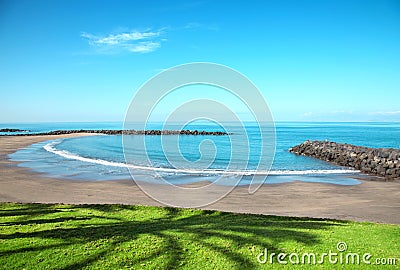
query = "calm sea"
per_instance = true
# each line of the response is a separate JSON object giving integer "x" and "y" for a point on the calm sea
{"x": 102, "y": 158}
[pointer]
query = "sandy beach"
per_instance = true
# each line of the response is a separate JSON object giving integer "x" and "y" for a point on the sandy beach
{"x": 373, "y": 201}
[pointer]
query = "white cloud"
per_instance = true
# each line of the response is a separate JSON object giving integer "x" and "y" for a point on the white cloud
{"x": 385, "y": 113}
{"x": 144, "y": 47}
{"x": 307, "y": 114}
{"x": 134, "y": 41}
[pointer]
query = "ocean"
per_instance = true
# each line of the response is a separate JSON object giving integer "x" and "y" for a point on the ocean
{"x": 191, "y": 159}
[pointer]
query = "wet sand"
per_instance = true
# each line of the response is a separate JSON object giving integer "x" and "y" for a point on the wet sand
{"x": 370, "y": 201}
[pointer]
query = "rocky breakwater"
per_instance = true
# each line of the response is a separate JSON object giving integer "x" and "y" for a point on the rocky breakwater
{"x": 128, "y": 132}
{"x": 12, "y": 130}
{"x": 383, "y": 162}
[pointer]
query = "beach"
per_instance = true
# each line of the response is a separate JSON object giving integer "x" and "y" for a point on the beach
{"x": 373, "y": 201}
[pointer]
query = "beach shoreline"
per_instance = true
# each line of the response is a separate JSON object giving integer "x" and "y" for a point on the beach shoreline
{"x": 369, "y": 201}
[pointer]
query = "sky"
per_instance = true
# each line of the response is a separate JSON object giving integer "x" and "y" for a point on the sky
{"x": 312, "y": 60}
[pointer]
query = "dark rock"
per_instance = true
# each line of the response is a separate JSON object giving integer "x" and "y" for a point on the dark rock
{"x": 379, "y": 161}
{"x": 128, "y": 132}
{"x": 13, "y": 130}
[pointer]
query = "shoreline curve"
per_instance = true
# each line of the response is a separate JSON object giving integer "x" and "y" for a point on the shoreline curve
{"x": 370, "y": 201}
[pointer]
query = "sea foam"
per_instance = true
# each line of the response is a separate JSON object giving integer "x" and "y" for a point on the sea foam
{"x": 51, "y": 147}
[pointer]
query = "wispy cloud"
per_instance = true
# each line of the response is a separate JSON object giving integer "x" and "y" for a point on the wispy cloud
{"x": 138, "y": 41}
{"x": 307, "y": 114}
{"x": 328, "y": 113}
{"x": 385, "y": 113}
{"x": 133, "y": 41}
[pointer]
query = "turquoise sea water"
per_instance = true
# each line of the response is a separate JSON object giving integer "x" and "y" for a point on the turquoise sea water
{"x": 101, "y": 157}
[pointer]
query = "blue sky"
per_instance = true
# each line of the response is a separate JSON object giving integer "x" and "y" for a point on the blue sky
{"x": 312, "y": 60}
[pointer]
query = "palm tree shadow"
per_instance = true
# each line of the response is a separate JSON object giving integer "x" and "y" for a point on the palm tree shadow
{"x": 177, "y": 228}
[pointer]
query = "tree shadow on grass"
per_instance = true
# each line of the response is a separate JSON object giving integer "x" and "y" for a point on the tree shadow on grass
{"x": 43, "y": 221}
{"x": 30, "y": 210}
{"x": 182, "y": 232}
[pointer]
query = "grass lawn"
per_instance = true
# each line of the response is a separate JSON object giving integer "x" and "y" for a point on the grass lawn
{"x": 44, "y": 236}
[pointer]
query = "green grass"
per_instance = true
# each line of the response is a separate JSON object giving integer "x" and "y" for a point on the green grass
{"x": 43, "y": 236}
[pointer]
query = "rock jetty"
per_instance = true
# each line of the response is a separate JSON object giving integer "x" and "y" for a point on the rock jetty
{"x": 128, "y": 132}
{"x": 383, "y": 162}
{"x": 12, "y": 130}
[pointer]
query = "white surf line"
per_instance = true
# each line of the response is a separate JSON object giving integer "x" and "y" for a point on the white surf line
{"x": 50, "y": 148}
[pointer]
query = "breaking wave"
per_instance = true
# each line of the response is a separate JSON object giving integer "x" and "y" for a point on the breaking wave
{"x": 50, "y": 147}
